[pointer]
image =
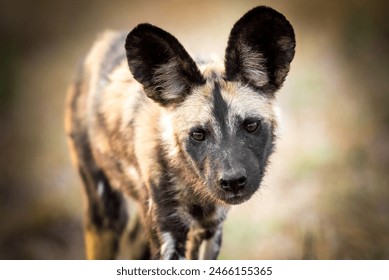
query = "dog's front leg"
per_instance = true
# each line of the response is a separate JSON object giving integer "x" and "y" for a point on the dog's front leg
{"x": 167, "y": 232}
{"x": 210, "y": 247}
{"x": 172, "y": 245}
{"x": 204, "y": 244}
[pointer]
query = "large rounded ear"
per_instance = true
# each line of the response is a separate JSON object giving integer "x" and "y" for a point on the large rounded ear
{"x": 260, "y": 48}
{"x": 159, "y": 62}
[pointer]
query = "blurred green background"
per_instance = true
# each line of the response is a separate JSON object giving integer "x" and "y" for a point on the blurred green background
{"x": 326, "y": 194}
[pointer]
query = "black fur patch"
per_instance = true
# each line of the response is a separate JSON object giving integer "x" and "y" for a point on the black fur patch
{"x": 114, "y": 56}
{"x": 220, "y": 107}
{"x": 201, "y": 212}
{"x": 108, "y": 211}
{"x": 164, "y": 195}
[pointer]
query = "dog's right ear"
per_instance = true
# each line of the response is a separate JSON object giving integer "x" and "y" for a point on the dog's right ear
{"x": 160, "y": 63}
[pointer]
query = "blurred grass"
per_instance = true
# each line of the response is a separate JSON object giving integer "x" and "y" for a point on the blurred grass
{"x": 326, "y": 194}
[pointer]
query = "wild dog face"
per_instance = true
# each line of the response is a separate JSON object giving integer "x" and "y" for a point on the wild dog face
{"x": 220, "y": 122}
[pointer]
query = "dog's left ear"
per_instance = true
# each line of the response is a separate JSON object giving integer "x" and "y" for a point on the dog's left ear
{"x": 260, "y": 48}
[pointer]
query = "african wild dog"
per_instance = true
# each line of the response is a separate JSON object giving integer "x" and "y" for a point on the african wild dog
{"x": 164, "y": 152}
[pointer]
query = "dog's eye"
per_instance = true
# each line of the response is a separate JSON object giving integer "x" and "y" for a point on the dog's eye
{"x": 198, "y": 135}
{"x": 251, "y": 126}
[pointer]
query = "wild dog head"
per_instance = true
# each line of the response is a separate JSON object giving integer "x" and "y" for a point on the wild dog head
{"x": 219, "y": 122}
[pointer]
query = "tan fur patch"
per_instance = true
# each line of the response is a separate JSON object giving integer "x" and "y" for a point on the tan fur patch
{"x": 242, "y": 101}
{"x": 196, "y": 110}
{"x": 245, "y": 102}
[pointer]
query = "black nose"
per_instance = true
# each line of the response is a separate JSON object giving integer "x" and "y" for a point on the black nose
{"x": 233, "y": 183}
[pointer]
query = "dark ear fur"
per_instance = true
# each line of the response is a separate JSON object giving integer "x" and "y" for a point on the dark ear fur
{"x": 260, "y": 48}
{"x": 159, "y": 62}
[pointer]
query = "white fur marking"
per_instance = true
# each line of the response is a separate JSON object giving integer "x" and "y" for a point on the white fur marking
{"x": 100, "y": 188}
{"x": 167, "y": 134}
{"x": 167, "y": 248}
{"x": 150, "y": 205}
{"x": 204, "y": 248}
{"x": 166, "y": 127}
{"x": 133, "y": 173}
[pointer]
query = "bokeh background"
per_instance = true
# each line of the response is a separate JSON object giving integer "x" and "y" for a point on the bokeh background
{"x": 326, "y": 194}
